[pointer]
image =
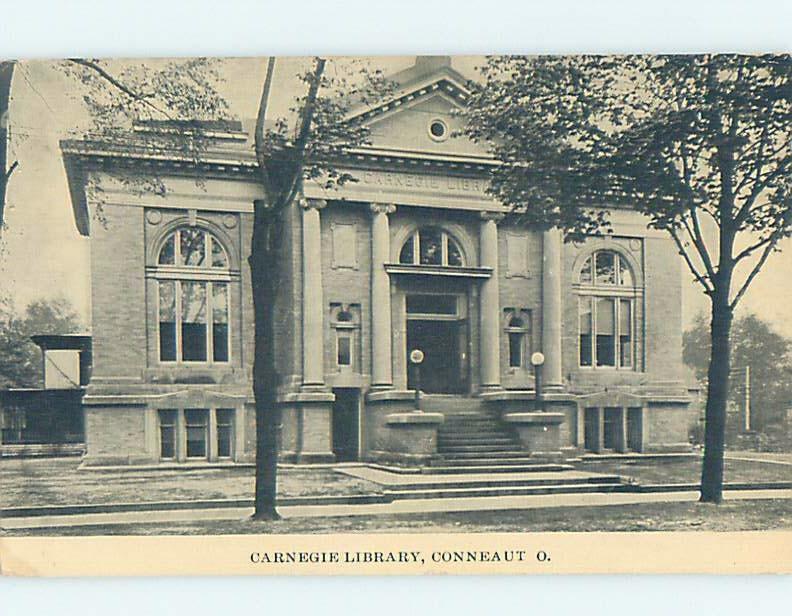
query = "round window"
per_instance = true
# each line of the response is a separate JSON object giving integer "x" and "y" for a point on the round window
{"x": 438, "y": 130}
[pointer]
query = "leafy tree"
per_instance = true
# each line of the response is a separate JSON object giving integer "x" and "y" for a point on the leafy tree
{"x": 20, "y": 358}
{"x": 754, "y": 343}
{"x": 699, "y": 144}
{"x": 289, "y": 151}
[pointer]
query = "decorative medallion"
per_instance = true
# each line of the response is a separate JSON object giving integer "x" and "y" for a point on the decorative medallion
{"x": 229, "y": 221}
{"x": 154, "y": 217}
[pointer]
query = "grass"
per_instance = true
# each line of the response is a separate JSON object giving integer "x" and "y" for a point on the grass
{"x": 57, "y": 481}
{"x": 688, "y": 470}
{"x": 742, "y": 515}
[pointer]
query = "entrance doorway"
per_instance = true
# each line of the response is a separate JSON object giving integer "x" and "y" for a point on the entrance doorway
{"x": 435, "y": 326}
{"x": 346, "y": 424}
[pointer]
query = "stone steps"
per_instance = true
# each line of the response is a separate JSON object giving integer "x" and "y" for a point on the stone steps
{"x": 486, "y": 460}
{"x": 479, "y": 447}
{"x": 470, "y": 432}
{"x": 475, "y": 439}
{"x": 506, "y": 490}
{"x": 507, "y": 482}
{"x": 531, "y": 466}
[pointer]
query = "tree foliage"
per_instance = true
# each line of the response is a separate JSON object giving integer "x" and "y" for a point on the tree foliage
{"x": 20, "y": 358}
{"x": 702, "y": 145}
{"x": 756, "y": 344}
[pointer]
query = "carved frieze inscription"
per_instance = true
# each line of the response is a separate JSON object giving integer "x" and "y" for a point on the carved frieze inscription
{"x": 438, "y": 183}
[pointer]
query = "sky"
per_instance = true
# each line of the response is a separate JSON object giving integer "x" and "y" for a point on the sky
{"x": 42, "y": 255}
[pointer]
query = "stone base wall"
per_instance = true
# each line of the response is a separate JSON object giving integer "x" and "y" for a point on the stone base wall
{"x": 668, "y": 427}
{"x": 307, "y": 431}
{"x": 118, "y": 435}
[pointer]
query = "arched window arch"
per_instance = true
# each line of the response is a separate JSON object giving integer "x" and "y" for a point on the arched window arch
{"x": 193, "y": 275}
{"x": 607, "y": 311}
{"x": 431, "y": 246}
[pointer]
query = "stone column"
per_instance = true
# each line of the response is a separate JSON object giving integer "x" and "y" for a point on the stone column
{"x": 313, "y": 302}
{"x": 381, "y": 347}
{"x": 490, "y": 304}
{"x": 551, "y": 308}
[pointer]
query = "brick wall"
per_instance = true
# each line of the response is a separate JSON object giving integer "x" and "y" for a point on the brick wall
{"x": 118, "y": 294}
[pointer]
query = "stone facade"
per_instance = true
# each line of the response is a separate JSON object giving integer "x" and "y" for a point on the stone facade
{"x": 414, "y": 254}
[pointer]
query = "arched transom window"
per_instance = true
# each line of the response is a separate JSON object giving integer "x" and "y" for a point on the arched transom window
{"x": 431, "y": 246}
{"x": 607, "y": 311}
{"x": 193, "y": 276}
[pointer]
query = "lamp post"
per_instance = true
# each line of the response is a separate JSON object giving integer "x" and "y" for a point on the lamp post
{"x": 416, "y": 359}
{"x": 537, "y": 361}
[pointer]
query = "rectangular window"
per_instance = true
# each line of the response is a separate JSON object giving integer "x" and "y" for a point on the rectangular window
{"x": 193, "y": 326}
{"x": 625, "y": 333}
{"x": 225, "y": 433}
{"x": 197, "y": 426}
{"x": 432, "y": 304}
{"x": 606, "y": 332}
{"x": 167, "y": 321}
{"x": 344, "y": 348}
{"x": 167, "y": 428}
{"x": 220, "y": 321}
{"x": 585, "y": 331}
{"x": 591, "y": 434}
{"x": 516, "y": 349}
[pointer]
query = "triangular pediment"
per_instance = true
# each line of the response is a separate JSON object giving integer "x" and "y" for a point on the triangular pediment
{"x": 421, "y": 116}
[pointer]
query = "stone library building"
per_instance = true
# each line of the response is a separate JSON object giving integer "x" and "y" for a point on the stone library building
{"x": 413, "y": 261}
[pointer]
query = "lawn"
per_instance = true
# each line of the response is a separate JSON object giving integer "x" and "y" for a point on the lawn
{"x": 58, "y": 481}
{"x": 688, "y": 470}
{"x": 739, "y": 515}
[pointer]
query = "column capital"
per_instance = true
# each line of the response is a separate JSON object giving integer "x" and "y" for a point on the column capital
{"x": 496, "y": 217}
{"x": 382, "y": 208}
{"x": 313, "y": 204}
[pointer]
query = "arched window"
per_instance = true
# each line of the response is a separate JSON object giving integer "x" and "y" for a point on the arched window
{"x": 193, "y": 285}
{"x": 431, "y": 246}
{"x": 607, "y": 311}
{"x": 518, "y": 329}
{"x": 345, "y": 320}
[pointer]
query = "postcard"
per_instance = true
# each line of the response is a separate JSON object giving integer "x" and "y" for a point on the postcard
{"x": 396, "y": 315}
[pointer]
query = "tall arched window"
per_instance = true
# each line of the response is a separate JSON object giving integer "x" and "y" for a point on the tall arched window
{"x": 431, "y": 246}
{"x": 518, "y": 336}
{"x": 193, "y": 277}
{"x": 607, "y": 311}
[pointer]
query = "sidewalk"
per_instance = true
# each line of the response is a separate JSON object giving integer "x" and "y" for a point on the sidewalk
{"x": 443, "y": 505}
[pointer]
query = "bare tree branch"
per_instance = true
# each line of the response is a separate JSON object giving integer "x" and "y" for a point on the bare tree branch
{"x": 136, "y": 96}
{"x": 751, "y": 249}
{"x": 261, "y": 117}
{"x": 304, "y": 131}
{"x": 758, "y": 266}
{"x": 10, "y": 170}
{"x": 699, "y": 277}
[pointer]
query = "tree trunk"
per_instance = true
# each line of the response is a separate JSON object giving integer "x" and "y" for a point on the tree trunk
{"x": 264, "y": 273}
{"x": 6, "y": 75}
{"x": 717, "y": 397}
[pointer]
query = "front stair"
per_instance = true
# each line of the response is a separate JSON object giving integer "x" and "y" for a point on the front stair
{"x": 472, "y": 437}
{"x": 479, "y": 457}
